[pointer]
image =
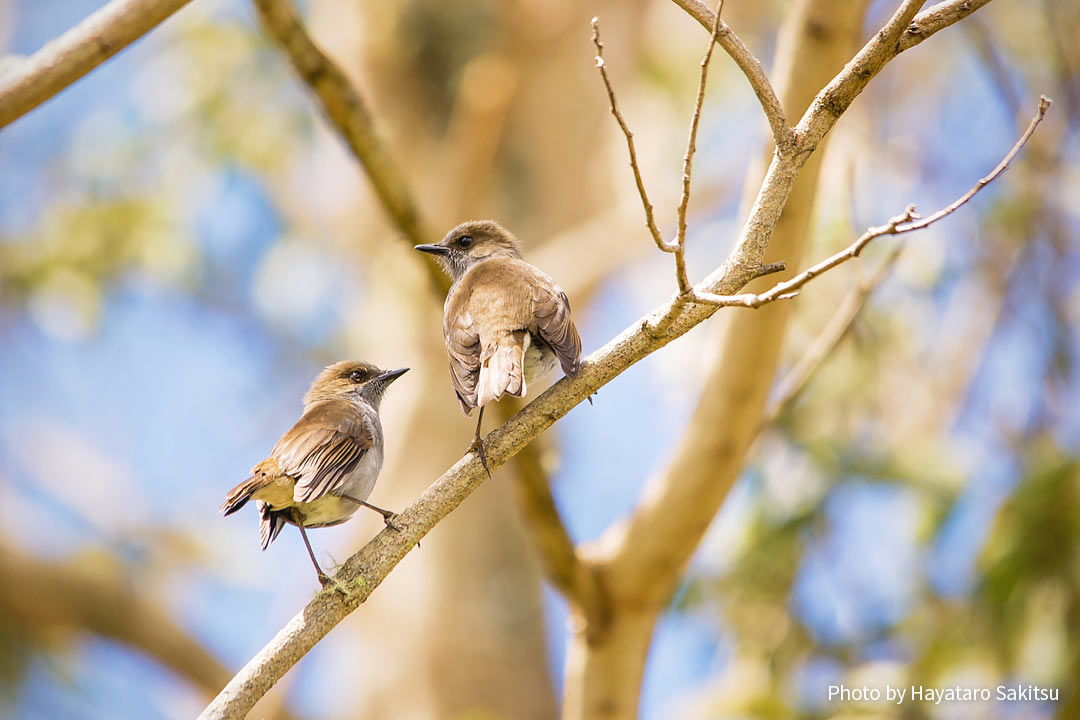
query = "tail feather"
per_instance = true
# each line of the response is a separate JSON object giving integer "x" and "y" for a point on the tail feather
{"x": 270, "y": 523}
{"x": 502, "y": 368}
{"x": 239, "y": 495}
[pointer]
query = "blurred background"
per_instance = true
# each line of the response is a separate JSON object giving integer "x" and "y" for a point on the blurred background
{"x": 184, "y": 243}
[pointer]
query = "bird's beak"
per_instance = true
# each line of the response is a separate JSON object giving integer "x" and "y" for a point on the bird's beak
{"x": 391, "y": 375}
{"x": 433, "y": 249}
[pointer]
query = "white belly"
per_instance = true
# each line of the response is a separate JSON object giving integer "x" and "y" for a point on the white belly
{"x": 331, "y": 509}
{"x": 540, "y": 360}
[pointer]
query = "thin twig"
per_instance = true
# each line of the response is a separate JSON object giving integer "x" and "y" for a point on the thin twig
{"x": 29, "y": 82}
{"x": 783, "y": 136}
{"x": 650, "y": 220}
{"x": 909, "y": 221}
{"x": 688, "y": 161}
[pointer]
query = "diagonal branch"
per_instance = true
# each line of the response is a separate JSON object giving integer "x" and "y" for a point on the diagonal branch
{"x": 31, "y": 81}
{"x": 903, "y": 31}
{"x": 751, "y": 68}
{"x": 347, "y": 111}
{"x": 365, "y": 570}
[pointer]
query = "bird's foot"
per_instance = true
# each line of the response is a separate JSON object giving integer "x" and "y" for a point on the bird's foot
{"x": 389, "y": 518}
{"x": 331, "y": 584}
{"x": 477, "y": 446}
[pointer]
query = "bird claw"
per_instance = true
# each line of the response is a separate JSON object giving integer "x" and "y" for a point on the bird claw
{"x": 389, "y": 519}
{"x": 477, "y": 447}
{"x": 331, "y": 584}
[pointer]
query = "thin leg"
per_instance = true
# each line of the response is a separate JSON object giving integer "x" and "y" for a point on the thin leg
{"x": 323, "y": 577}
{"x": 477, "y": 445}
{"x": 387, "y": 515}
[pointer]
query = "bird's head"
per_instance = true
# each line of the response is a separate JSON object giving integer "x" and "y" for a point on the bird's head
{"x": 351, "y": 380}
{"x": 470, "y": 243}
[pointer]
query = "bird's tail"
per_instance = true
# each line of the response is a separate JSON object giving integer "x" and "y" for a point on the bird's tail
{"x": 502, "y": 368}
{"x": 270, "y": 523}
{"x": 239, "y": 495}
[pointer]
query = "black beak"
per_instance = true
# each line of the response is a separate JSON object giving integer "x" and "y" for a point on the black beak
{"x": 391, "y": 375}
{"x": 433, "y": 249}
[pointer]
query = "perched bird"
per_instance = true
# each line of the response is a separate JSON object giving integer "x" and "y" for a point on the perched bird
{"x": 325, "y": 466}
{"x": 505, "y": 322}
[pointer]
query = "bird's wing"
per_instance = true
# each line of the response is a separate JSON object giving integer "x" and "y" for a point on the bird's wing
{"x": 322, "y": 448}
{"x": 463, "y": 350}
{"x": 551, "y": 308}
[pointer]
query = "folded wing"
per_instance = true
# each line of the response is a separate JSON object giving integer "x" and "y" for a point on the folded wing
{"x": 323, "y": 448}
{"x": 551, "y": 308}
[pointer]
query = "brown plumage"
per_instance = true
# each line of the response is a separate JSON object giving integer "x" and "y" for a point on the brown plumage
{"x": 324, "y": 468}
{"x": 497, "y": 312}
{"x": 506, "y": 323}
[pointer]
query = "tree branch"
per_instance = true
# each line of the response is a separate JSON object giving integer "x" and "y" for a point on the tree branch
{"x": 348, "y": 113}
{"x": 751, "y": 68}
{"x": 31, "y": 81}
{"x": 903, "y": 31}
{"x": 365, "y": 570}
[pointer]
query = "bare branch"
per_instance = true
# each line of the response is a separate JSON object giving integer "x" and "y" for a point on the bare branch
{"x": 347, "y": 111}
{"x": 936, "y": 17}
{"x": 31, "y": 81}
{"x": 650, "y": 219}
{"x": 365, "y": 570}
{"x": 909, "y": 221}
{"x": 751, "y": 68}
{"x": 688, "y": 161}
{"x": 904, "y": 30}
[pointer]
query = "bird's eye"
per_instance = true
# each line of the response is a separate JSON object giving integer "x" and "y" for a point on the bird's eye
{"x": 356, "y": 376}
{"x": 465, "y": 241}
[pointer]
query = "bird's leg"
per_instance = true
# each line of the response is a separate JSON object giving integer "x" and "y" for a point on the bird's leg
{"x": 477, "y": 445}
{"x": 387, "y": 515}
{"x": 323, "y": 577}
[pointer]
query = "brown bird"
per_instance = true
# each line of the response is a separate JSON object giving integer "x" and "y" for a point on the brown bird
{"x": 325, "y": 466}
{"x": 505, "y": 322}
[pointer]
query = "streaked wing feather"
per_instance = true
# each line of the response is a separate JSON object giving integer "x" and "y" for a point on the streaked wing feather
{"x": 323, "y": 449}
{"x": 463, "y": 350}
{"x": 551, "y": 308}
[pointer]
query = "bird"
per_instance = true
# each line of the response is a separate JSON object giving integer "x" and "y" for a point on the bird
{"x": 324, "y": 467}
{"x": 506, "y": 323}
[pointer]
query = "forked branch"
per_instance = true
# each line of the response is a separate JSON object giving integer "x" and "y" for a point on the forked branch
{"x": 724, "y": 36}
